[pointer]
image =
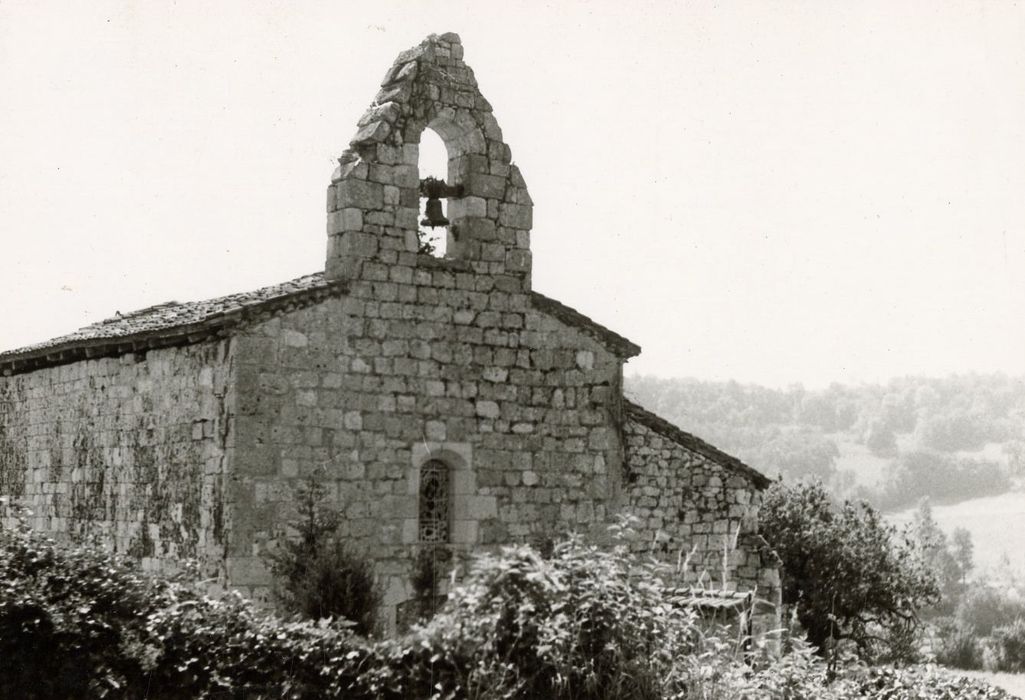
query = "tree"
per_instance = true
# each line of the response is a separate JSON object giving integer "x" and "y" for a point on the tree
{"x": 1015, "y": 451}
{"x": 847, "y": 573}
{"x": 316, "y": 574}
{"x": 963, "y": 551}
{"x": 932, "y": 544}
{"x": 880, "y": 438}
{"x": 799, "y": 455}
{"x": 949, "y": 432}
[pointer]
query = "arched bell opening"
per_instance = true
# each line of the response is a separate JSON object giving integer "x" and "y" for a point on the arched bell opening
{"x": 433, "y": 224}
{"x": 451, "y": 149}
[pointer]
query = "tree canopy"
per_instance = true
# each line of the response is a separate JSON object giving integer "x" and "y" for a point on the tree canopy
{"x": 847, "y": 573}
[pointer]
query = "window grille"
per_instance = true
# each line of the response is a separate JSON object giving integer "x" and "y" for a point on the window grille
{"x": 434, "y": 502}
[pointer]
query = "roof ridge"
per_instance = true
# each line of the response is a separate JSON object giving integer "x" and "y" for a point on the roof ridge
{"x": 169, "y": 323}
{"x": 118, "y": 316}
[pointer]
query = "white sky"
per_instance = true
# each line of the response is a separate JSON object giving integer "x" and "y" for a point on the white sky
{"x": 770, "y": 192}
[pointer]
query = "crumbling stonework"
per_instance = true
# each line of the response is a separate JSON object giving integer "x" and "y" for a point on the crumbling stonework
{"x": 184, "y": 430}
{"x": 373, "y": 200}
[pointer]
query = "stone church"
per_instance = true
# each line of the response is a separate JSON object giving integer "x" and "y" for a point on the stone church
{"x": 442, "y": 403}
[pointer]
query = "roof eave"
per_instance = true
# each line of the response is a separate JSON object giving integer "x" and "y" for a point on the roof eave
{"x": 216, "y": 325}
{"x": 614, "y": 342}
{"x": 695, "y": 444}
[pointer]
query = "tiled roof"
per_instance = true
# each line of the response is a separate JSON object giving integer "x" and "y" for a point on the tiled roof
{"x": 571, "y": 317}
{"x": 663, "y": 427}
{"x": 177, "y": 323}
{"x": 171, "y": 323}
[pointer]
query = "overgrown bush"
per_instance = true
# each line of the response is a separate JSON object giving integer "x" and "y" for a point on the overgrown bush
{"x": 316, "y": 574}
{"x": 1010, "y": 643}
{"x": 959, "y": 647}
{"x": 580, "y": 624}
{"x": 985, "y": 607}
{"x": 583, "y": 623}
{"x": 921, "y": 683}
{"x": 78, "y": 622}
{"x": 847, "y": 573}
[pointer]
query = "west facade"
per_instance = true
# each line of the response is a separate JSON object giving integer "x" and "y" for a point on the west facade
{"x": 444, "y": 405}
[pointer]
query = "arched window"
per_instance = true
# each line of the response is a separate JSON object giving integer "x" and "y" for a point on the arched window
{"x": 434, "y": 501}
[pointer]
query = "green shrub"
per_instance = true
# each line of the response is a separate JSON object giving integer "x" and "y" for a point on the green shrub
{"x": 847, "y": 572}
{"x": 78, "y": 622}
{"x": 583, "y": 623}
{"x": 1010, "y": 641}
{"x": 316, "y": 574}
{"x": 959, "y": 647}
{"x": 983, "y": 608}
{"x": 921, "y": 683}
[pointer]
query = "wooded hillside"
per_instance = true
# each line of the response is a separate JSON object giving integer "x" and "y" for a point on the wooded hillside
{"x": 950, "y": 438}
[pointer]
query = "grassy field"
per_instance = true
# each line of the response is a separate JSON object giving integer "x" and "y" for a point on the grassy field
{"x": 997, "y": 524}
{"x": 868, "y": 469}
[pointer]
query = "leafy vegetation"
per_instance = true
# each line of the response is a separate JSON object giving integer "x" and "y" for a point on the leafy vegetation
{"x": 939, "y": 476}
{"x": 581, "y": 623}
{"x": 846, "y": 573}
{"x": 939, "y": 558}
{"x": 316, "y": 574}
{"x": 919, "y": 430}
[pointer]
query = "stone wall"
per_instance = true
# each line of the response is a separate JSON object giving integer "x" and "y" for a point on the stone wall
{"x": 132, "y": 449}
{"x": 697, "y": 512}
{"x": 360, "y": 393}
{"x": 395, "y": 359}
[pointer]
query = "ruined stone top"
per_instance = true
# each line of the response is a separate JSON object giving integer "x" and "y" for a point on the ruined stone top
{"x": 663, "y": 427}
{"x": 180, "y": 323}
{"x": 373, "y": 201}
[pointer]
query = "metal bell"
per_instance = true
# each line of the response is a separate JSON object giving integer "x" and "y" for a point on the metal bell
{"x": 433, "y": 214}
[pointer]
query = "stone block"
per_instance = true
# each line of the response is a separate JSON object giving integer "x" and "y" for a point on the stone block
{"x": 407, "y": 218}
{"x": 476, "y": 508}
{"x": 388, "y": 111}
{"x": 517, "y": 216}
{"x": 406, "y": 176}
{"x": 353, "y": 420}
{"x": 487, "y": 409}
{"x": 485, "y": 185}
{"x": 360, "y": 194}
{"x": 478, "y": 229}
{"x": 464, "y": 482}
{"x": 435, "y": 430}
{"x": 464, "y": 532}
{"x": 398, "y": 92}
{"x": 400, "y": 72}
{"x": 463, "y": 207}
{"x": 374, "y": 132}
{"x": 294, "y": 339}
